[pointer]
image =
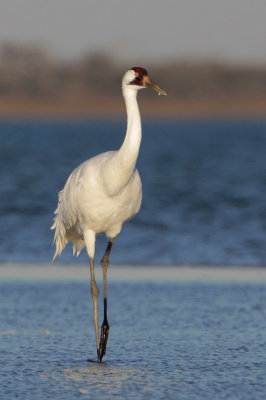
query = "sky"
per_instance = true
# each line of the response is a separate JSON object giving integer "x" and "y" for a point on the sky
{"x": 154, "y": 30}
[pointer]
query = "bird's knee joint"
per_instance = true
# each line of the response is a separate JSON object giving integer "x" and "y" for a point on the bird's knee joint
{"x": 94, "y": 291}
{"x": 104, "y": 263}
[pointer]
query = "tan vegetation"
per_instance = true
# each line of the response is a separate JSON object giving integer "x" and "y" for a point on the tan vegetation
{"x": 34, "y": 84}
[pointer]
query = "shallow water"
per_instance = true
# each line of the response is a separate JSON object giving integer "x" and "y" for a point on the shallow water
{"x": 170, "y": 340}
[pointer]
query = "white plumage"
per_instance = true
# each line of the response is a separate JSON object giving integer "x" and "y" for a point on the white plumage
{"x": 89, "y": 202}
{"x": 103, "y": 193}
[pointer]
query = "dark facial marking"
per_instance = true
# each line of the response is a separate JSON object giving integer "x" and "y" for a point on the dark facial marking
{"x": 140, "y": 73}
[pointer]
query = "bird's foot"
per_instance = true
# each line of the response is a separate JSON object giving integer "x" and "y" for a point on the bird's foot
{"x": 104, "y": 337}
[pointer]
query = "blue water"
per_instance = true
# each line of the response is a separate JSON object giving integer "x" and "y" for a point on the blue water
{"x": 191, "y": 340}
{"x": 204, "y": 188}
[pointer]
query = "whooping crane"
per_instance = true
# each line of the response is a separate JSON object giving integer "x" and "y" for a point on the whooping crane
{"x": 103, "y": 193}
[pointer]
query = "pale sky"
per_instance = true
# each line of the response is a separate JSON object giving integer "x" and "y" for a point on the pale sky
{"x": 136, "y": 30}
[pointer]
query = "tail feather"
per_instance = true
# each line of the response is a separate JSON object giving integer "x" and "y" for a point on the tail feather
{"x": 60, "y": 239}
{"x": 77, "y": 247}
{"x": 64, "y": 224}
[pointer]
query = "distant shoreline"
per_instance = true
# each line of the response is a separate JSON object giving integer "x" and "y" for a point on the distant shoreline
{"x": 104, "y": 106}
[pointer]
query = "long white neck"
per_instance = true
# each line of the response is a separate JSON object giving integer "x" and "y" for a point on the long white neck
{"x": 130, "y": 148}
{"x": 122, "y": 165}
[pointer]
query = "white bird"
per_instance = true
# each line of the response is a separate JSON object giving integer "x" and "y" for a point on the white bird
{"x": 103, "y": 193}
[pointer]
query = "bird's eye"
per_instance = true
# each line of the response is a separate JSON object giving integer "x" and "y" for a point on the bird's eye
{"x": 136, "y": 74}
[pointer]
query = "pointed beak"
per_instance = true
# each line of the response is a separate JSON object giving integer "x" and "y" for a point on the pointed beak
{"x": 150, "y": 84}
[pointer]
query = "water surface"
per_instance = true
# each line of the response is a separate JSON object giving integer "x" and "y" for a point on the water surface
{"x": 179, "y": 340}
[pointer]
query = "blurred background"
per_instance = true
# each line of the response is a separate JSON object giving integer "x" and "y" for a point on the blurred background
{"x": 202, "y": 159}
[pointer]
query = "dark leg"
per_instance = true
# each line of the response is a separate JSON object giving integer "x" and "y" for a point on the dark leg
{"x": 95, "y": 293}
{"x": 105, "y": 325}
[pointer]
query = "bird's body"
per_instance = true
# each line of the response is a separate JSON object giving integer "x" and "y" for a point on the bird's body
{"x": 86, "y": 203}
{"x": 103, "y": 193}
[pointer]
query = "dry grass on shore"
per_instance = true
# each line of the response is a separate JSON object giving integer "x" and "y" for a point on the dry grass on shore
{"x": 104, "y": 106}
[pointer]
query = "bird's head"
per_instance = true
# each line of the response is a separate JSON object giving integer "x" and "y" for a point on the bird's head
{"x": 137, "y": 78}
